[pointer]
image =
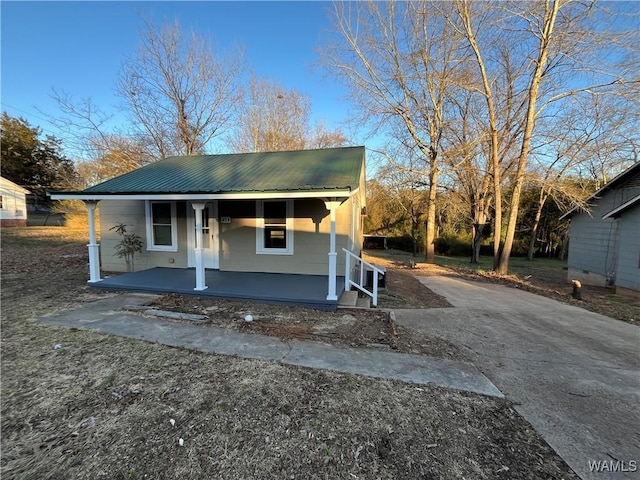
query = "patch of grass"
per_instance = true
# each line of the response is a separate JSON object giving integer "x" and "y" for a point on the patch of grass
{"x": 42, "y": 236}
{"x": 325, "y": 450}
{"x": 517, "y": 265}
{"x": 111, "y": 379}
{"x": 393, "y": 254}
{"x": 543, "y": 276}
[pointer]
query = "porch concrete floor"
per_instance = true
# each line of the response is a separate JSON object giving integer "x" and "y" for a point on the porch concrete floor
{"x": 279, "y": 288}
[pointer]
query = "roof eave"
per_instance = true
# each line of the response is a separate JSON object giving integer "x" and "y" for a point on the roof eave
{"x": 319, "y": 193}
{"x": 610, "y": 184}
{"x": 618, "y": 211}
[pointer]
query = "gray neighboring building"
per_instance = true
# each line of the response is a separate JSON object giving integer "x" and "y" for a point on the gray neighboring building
{"x": 604, "y": 245}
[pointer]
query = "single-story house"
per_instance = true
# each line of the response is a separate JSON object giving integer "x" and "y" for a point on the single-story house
{"x": 268, "y": 223}
{"x": 604, "y": 242}
{"x": 13, "y": 204}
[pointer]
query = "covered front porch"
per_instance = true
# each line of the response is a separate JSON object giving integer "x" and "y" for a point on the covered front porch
{"x": 279, "y": 288}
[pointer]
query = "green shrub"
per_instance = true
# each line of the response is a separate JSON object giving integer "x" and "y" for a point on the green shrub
{"x": 128, "y": 246}
{"x": 453, "y": 245}
{"x": 405, "y": 243}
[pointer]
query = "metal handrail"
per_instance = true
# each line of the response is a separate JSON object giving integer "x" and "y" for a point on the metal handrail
{"x": 347, "y": 275}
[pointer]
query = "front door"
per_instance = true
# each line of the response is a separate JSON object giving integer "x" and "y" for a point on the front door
{"x": 210, "y": 239}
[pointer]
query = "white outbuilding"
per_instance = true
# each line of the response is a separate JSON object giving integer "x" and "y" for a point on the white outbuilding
{"x": 13, "y": 204}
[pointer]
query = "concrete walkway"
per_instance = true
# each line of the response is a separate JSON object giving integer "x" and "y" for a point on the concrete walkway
{"x": 574, "y": 374}
{"x": 106, "y": 316}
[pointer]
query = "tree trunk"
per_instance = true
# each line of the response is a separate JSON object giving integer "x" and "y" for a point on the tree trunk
{"x": 502, "y": 266}
{"x": 429, "y": 247}
{"x": 542, "y": 199}
{"x": 429, "y": 252}
{"x": 414, "y": 228}
{"x": 497, "y": 195}
{"x": 478, "y": 231}
{"x": 493, "y": 125}
{"x": 565, "y": 245}
{"x": 479, "y": 224}
{"x": 531, "y": 250}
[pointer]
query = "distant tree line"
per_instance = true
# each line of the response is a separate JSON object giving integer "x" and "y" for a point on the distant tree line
{"x": 396, "y": 212}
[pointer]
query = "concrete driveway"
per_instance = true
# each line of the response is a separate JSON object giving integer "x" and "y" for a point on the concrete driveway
{"x": 574, "y": 374}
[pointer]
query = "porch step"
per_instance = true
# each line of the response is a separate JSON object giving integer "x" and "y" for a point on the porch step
{"x": 363, "y": 302}
{"x": 348, "y": 299}
{"x": 351, "y": 299}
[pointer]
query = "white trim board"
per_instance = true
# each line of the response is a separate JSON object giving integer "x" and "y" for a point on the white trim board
{"x": 204, "y": 196}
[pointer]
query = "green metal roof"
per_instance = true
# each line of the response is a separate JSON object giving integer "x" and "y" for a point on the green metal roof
{"x": 302, "y": 170}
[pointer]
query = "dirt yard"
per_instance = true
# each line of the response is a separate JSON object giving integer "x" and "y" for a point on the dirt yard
{"x": 348, "y": 327}
{"x": 78, "y": 404}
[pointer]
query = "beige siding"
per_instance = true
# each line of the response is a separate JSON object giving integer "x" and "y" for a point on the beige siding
{"x": 310, "y": 239}
{"x": 238, "y": 239}
{"x": 359, "y": 202}
{"x": 132, "y": 214}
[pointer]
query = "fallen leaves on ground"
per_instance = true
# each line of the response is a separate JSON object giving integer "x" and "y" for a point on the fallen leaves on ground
{"x": 101, "y": 406}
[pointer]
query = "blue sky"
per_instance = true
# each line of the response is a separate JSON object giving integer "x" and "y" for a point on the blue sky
{"x": 78, "y": 47}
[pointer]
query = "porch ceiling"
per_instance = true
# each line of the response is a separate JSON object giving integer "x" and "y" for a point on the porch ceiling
{"x": 279, "y": 288}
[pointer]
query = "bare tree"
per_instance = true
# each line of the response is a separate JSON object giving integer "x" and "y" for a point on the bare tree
{"x": 384, "y": 213}
{"x": 399, "y": 61}
{"x": 101, "y": 152}
{"x": 178, "y": 97}
{"x": 538, "y": 55}
{"x": 321, "y": 137}
{"x": 178, "y": 93}
{"x": 584, "y": 131}
{"x": 614, "y": 133}
{"x": 469, "y": 168}
{"x": 406, "y": 185}
{"x": 273, "y": 118}
{"x": 114, "y": 155}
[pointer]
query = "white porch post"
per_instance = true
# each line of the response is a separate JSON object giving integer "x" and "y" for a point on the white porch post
{"x": 198, "y": 208}
{"x": 332, "y": 206}
{"x": 94, "y": 247}
{"x": 347, "y": 272}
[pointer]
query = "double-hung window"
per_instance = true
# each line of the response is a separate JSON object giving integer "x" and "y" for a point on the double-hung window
{"x": 274, "y": 227}
{"x": 162, "y": 231}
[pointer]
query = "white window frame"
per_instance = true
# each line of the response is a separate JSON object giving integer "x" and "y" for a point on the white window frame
{"x": 260, "y": 247}
{"x": 151, "y": 246}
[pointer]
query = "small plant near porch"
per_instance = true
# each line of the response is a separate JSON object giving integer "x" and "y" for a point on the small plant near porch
{"x": 128, "y": 246}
